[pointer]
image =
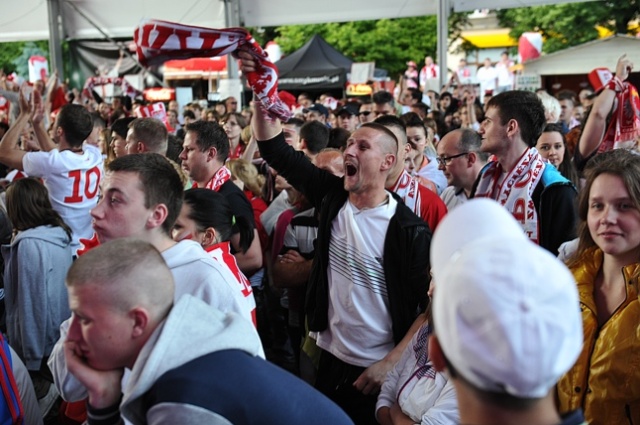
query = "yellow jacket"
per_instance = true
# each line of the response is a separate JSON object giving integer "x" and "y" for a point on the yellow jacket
{"x": 605, "y": 381}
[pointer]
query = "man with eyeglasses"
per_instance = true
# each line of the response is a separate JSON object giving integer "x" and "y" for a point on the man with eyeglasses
{"x": 461, "y": 161}
{"x": 535, "y": 192}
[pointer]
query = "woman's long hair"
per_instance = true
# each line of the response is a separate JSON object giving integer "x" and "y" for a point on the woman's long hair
{"x": 28, "y": 206}
{"x": 566, "y": 167}
{"x": 618, "y": 162}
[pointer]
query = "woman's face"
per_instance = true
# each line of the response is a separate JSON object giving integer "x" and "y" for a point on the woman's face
{"x": 551, "y": 147}
{"x": 185, "y": 227}
{"x": 232, "y": 128}
{"x": 411, "y": 161}
{"x": 613, "y": 218}
{"x": 417, "y": 136}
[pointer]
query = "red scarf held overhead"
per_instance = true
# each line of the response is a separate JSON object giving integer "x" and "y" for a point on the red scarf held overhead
{"x": 158, "y": 41}
{"x": 127, "y": 89}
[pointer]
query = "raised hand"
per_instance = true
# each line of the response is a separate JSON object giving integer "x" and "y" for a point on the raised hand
{"x": 104, "y": 386}
{"x": 623, "y": 67}
{"x": 37, "y": 107}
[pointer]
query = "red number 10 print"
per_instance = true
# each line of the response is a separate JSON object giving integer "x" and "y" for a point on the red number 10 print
{"x": 90, "y": 186}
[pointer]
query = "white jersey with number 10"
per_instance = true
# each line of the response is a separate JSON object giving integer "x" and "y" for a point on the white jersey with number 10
{"x": 73, "y": 181}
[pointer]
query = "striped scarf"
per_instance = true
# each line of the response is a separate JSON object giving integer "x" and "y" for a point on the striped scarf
{"x": 158, "y": 41}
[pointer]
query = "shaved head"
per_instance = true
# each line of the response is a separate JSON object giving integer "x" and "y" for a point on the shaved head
{"x": 129, "y": 273}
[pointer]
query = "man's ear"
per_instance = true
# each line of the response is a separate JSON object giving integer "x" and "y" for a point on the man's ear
{"x": 407, "y": 150}
{"x": 389, "y": 161}
{"x": 512, "y": 127}
{"x": 472, "y": 157}
{"x": 212, "y": 153}
{"x": 435, "y": 354}
{"x": 141, "y": 148}
{"x": 140, "y": 317}
{"x": 158, "y": 216}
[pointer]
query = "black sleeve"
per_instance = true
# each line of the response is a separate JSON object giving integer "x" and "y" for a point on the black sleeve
{"x": 294, "y": 166}
{"x": 557, "y": 215}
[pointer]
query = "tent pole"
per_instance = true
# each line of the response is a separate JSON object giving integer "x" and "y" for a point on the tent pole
{"x": 55, "y": 38}
{"x": 444, "y": 9}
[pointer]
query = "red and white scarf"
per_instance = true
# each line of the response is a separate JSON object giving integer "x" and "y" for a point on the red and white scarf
{"x": 624, "y": 126}
{"x": 219, "y": 178}
{"x": 516, "y": 190}
{"x": 127, "y": 89}
{"x": 408, "y": 188}
{"x": 158, "y": 41}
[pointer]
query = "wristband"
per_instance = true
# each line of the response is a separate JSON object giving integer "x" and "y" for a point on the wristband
{"x": 615, "y": 84}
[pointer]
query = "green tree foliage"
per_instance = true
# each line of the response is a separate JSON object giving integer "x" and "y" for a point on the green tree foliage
{"x": 388, "y": 42}
{"x": 566, "y": 25}
{"x": 14, "y": 55}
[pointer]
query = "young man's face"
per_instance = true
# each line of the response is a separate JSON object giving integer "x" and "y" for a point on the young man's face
{"x": 101, "y": 335}
{"x": 383, "y": 109}
{"x": 194, "y": 161}
{"x": 493, "y": 133}
{"x": 121, "y": 211}
{"x": 365, "y": 161}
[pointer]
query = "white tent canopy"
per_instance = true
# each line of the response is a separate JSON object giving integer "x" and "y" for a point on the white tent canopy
{"x": 28, "y": 19}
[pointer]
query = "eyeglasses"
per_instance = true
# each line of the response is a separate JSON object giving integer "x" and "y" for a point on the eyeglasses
{"x": 446, "y": 160}
{"x": 365, "y": 113}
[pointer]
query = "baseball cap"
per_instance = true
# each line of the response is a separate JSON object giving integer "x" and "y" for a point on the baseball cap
{"x": 317, "y": 107}
{"x": 505, "y": 311}
{"x": 352, "y": 108}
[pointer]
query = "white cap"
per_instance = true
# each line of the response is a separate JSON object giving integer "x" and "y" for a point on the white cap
{"x": 505, "y": 311}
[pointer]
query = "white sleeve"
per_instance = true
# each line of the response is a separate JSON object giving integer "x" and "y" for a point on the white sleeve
{"x": 38, "y": 164}
{"x": 389, "y": 390}
{"x": 445, "y": 409}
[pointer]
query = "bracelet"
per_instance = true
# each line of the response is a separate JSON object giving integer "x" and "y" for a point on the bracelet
{"x": 615, "y": 84}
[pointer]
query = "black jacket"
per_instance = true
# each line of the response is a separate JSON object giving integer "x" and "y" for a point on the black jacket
{"x": 406, "y": 245}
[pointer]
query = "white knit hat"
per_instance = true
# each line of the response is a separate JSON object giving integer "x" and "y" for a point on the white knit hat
{"x": 506, "y": 312}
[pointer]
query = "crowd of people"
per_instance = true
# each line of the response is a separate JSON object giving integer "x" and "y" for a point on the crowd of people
{"x": 434, "y": 256}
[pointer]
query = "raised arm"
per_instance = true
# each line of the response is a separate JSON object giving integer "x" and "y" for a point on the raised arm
{"x": 37, "y": 120}
{"x": 10, "y": 155}
{"x": 595, "y": 126}
{"x": 263, "y": 126}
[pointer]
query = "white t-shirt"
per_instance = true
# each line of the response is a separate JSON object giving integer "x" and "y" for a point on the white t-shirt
{"x": 487, "y": 77}
{"x": 359, "y": 331}
{"x": 505, "y": 76}
{"x": 73, "y": 181}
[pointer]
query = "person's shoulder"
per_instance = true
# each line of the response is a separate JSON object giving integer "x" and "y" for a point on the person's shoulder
{"x": 551, "y": 177}
{"x": 254, "y": 380}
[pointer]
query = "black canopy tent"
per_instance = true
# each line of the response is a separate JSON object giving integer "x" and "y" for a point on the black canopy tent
{"x": 314, "y": 66}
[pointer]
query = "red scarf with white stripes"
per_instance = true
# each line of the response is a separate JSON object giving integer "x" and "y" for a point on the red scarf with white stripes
{"x": 127, "y": 89}
{"x": 219, "y": 178}
{"x": 516, "y": 190}
{"x": 408, "y": 188}
{"x": 158, "y": 41}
